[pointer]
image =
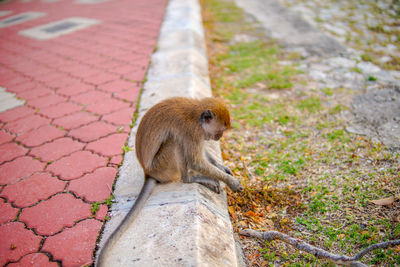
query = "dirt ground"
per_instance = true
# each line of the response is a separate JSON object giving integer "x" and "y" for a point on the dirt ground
{"x": 312, "y": 165}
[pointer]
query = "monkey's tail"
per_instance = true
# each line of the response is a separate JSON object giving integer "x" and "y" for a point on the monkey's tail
{"x": 129, "y": 218}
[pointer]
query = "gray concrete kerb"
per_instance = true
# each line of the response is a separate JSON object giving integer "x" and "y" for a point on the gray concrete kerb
{"x": 182, "y": 224}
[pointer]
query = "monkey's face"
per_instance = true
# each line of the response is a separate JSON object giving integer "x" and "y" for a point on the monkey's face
{"x": 213, "y": 130}
{"x": 213, "y": 126}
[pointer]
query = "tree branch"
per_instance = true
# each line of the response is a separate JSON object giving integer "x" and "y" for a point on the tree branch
{"x": 317, "y": 252}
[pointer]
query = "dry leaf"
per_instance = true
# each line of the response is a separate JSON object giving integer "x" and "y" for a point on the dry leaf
{"x": 250, "y": 214}
{"x": 268, "y": 208}
{"x": 269, "y": 222}
{"x": 232, "y": 212}
{"x": 384, "y": 201}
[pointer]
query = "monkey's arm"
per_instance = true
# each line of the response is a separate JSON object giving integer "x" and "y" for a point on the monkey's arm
{"x": 214, "y": 162}
{"x": 204, "y": 167}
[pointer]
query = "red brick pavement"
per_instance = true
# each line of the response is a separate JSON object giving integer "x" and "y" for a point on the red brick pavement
{"x": 59, "y": 153}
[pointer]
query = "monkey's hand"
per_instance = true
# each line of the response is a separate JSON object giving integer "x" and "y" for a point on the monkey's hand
{"x": 235, "y": 185}
{"x": 225, "y": 169}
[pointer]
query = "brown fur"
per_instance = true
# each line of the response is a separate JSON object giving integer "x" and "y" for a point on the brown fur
{"x": 170, "y": 138}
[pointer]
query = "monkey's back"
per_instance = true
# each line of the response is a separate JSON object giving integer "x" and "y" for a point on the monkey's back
{"x": 172, "y": 118}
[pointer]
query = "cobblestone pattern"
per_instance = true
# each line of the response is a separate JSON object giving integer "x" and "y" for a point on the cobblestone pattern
{"x": 59, "y": 153}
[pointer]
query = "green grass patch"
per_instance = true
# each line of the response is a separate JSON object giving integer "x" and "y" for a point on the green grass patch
{"x": 257, "y": 62}
{"x": 311, "y": 104}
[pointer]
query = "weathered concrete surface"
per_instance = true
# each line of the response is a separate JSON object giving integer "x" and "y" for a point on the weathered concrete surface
{"x": 289, "y": 28}
{"x": 377, "y": 115}
{"x": 8, "y": 100}
{"x": 182, "y": 224}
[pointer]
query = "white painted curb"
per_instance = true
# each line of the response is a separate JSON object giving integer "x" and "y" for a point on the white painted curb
{"x": 182, "y": 224}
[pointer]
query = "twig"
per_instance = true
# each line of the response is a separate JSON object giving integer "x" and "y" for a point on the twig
{"x": 253, "y": 179}
{"x": 320, "y": 253}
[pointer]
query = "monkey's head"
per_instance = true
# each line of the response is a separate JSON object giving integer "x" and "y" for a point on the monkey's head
{"x": 215, "y": 119}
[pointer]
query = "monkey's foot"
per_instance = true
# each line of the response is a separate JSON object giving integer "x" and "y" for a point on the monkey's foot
{"x": 211, "y": 184}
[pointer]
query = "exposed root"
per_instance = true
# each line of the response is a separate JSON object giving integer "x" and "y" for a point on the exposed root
{"x": 317, "y": 252}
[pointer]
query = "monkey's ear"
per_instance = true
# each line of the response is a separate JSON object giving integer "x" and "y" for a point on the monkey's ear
{"x": 207, "y": 116}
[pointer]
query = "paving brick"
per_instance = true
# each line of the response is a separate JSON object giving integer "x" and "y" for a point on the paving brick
{"x": 119, "y": 86}
{"x": 75, "y": 89}
{"x": 36, "y": 93}
{"x": 128, "y": 95}
{"x": 84, "y": 71}
{"x": 27, "y": 124}
{"x": 60, "y": 110}
{"x": 56, "y": 149}
{"x": 126, "y": 69}
{"x": 142, "y": 61}
{"x": 117, "y": 160}
{"x": 136, "y": 76}
{"x": 110, "y": 145}
{"x": 46, "y": 101}
{"x": 40, "y": 135}
{"x": 102, "y": 212}
{"x": 49, "y": 75}
{"x": 107, "y": 106}
{"x": 11, "y": 151}
{"x": 16, "y": 241}
{"x": 53, "y": 77}
{"x": 32, "y": 71}
{"x": 19, "y": 79}
{"x": 111, "y": 64}
{"x": 75, "y": 120}
{"x": 23, "y": 87}
{"x": 77, "y": 164}
{"x": 34, "y": 260}
{"x": 90, "y": 97}
{"x": 93, "y": 131}
{"x": 27, "y": 192}
{"x": 50, "y": 216}
{"x": 5, "y": 137}
{"x": 94, "y": 186}
{"x": 11, "y": 172}
{"x": 7, "y": 212}
{"x": 77, "y": 242}
{"x": 15, "y": 114}
{"x": 120, "y": 117}
{"x": 101, "y": 78}
{"x": 64, "y": 83}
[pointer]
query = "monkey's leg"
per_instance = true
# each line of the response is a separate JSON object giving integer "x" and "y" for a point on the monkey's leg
{"x": 218, "y": 165}
{"x": 166, "y": 164}
{"x": 211, "y": 184}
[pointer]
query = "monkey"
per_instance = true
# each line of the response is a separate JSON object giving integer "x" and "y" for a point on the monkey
{"x": 170, "y": 146}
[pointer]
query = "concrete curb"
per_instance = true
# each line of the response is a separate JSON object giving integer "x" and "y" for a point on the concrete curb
{"x": 182, "y": 224}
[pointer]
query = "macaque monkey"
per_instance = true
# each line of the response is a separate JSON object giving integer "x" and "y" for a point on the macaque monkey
{"x": 170, "y": 147}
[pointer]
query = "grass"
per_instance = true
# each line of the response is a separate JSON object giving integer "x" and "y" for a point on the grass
{"x": 303, "y": 173}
